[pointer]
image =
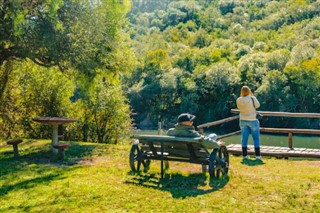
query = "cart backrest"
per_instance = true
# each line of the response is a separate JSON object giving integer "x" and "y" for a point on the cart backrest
{"x": 180, "y": 147}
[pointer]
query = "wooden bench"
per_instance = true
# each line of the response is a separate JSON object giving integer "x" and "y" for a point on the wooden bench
{"x": 181, "y": 149}
{"x": 61, "y": 147}
{"x": 15, "y": 143}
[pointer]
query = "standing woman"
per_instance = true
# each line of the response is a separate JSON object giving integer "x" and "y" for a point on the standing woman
{"x": 247, "y": 104}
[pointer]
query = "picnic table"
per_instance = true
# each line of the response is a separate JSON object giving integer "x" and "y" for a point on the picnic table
{"x": 182, "y": 149}
{"x": 54, "y": 122}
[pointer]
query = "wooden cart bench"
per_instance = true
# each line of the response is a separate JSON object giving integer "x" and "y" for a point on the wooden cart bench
{"x": 182, "y": 149}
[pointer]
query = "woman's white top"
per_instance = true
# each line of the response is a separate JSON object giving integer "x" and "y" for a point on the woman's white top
{"x": 247, "y": 110}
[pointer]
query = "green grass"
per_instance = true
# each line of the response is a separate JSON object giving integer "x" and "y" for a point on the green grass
{"x": 97, "y": 178}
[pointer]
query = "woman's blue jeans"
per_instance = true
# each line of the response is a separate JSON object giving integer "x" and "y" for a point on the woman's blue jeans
{"x": 248, "y": 127}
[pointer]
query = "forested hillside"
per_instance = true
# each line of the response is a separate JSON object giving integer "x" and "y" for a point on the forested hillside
{"x": 194, "y": 56}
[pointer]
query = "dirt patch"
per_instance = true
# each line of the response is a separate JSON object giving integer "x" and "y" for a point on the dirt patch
{"x": 94, "y": 161}
{"x": 185, "y": 167}
{"x": 310, "y": 163}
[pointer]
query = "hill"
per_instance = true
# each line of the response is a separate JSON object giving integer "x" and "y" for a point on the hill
{"x": 195, "y": 55}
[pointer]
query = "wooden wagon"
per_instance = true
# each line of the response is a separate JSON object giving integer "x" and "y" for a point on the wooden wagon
{"x": 181, "y": 149}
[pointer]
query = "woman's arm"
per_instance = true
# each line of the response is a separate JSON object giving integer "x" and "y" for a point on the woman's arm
{"x": 256, "y": 102}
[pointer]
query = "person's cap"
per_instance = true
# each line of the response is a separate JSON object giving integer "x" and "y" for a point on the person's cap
{"x": 186, "y": 117}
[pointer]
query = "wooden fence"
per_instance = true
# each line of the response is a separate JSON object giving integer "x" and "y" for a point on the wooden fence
{"x": 269, "y": 130}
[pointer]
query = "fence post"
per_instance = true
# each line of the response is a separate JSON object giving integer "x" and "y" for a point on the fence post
{"x": 290, "y": 140}
{"x": 159, "y": 128}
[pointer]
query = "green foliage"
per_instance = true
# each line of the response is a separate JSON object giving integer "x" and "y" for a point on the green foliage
{"x": 163, "y": 14}
{"x": 57, "y": 32}
{"x": 296, "y": 89}
{"x": 276, "y": 90}
{"x": 242, "y": 50}
{"x": 277, "y": 60}
{"x": 304, "y": 51}
{"x": 201, "y": 39}
{"x": 106, "y": 114}
{"x": 50, "y": 52}
{"x": 178, "y": 56}
{"x": 185, "y": 60}
{"x": 220, "y": 78}
{"x": 155, "y": 93}
{"x": 34, "y": 91}
{"x": 158, "y": 58}
{"x": 227, "y": 6}
{"x": 207, "y": 56}
{"x": 260, "y": 41}
{"x": 304, "y": 81}
{"x": 252, "y": 69}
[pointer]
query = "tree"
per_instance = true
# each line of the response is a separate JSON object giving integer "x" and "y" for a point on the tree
{"x": 304, "y": 51}
{"x": 274, "y": 95}
{"x": 257, "y": 40}
{"x": 252, "y": 69}
{"x": 63, "y": 33}
{"x": 304, "y": 83}
{"x": 47, "y": 49}
{"x": 201, "y": 39}
{"x": 277, "y": 60}
{"x": 33, "y": 90}
{"x": 106, "y": 112}
{"x": 215, "y": 87}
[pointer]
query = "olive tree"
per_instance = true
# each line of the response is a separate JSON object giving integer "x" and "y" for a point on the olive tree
{"x": 62, "y": 33}
{"x": 42, "y": 42}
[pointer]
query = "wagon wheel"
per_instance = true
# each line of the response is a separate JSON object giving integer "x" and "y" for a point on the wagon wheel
{"x": 219, "y": 162}
{"x": 224, "y": 160}
{"x": 213, "y": 169}
{"x": 135, "y": 157}
{"x": 146, "y": 165}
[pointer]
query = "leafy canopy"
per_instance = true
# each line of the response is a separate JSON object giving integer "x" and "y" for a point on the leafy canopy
{"x": 64, "y": 33}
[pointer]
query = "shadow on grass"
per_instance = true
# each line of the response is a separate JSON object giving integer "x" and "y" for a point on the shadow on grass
{"x": 39, "y": 162}
{"x": 27, "y": 184}
{"x": 250, "y": 162}
{"x": 42, "y": 155}
{"x": 180, "y": 186}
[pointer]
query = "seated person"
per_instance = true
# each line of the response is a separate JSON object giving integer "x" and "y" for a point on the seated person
{"x": 184, "y": 128}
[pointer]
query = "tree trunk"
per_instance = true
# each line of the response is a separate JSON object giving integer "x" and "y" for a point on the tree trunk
{"x": 6, "y": 70}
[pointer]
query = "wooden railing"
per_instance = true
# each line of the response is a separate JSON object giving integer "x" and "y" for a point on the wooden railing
{"x": 284, "y": 114}
{"x": 206, "y": 125}
{"x": 269, "y": 130}
{"x": 218, "y": 122}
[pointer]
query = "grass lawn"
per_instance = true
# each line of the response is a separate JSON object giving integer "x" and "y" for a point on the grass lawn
{"x": 97, "y": 178}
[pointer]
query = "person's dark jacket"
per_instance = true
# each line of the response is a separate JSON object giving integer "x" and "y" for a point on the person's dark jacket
{"x": 183, "y": 131}
{"x": 190, "y": 132}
